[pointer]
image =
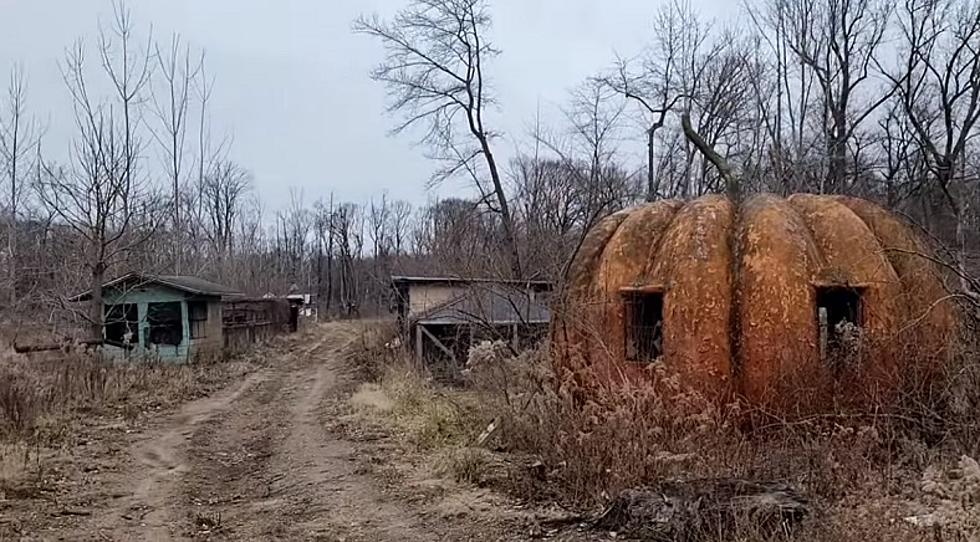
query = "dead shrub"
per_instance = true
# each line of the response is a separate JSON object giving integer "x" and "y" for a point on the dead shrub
{"x": 600, "y": 445}
{"x": 19, "y": 401}
{"x": 945, "y": 411}
{"x": 468, "y": 465}
{"x": 375, "y": 348}
{"x": 595, "y": 442}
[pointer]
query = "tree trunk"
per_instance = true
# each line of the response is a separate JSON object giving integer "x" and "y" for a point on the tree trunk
{"x": 651, "y": 188}
{"x": 96, "y": 312}
{"x": 319, "y": 271}
{"x": 330, "y": 234}
{"x": 12, "y": 255}
{"x": 836, "y": 171}
{"x": 498, "y": 188}
{"x": 178, "y": 246}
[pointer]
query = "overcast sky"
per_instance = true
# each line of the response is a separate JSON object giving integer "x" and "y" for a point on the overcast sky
{"x": 292, "y": 78}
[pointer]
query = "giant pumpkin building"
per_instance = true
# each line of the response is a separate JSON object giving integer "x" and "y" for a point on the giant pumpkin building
{"x": 798, "y": 304}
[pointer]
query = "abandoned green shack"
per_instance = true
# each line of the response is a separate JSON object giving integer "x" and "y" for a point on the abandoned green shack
{"x": 169, "y": 317}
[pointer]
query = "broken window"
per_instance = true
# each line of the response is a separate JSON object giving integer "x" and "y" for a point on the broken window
{"x": 122, "y": 324}
{"x": 644, "y": 318}
{"x": 197, "y": 314}
{"x": 839, "y": 321}
{"x": 166, "y": 323}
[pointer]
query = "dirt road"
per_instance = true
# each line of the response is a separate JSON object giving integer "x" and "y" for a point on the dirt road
{"x": 256, "y": 461}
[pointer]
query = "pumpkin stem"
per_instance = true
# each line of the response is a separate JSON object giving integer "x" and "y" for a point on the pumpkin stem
{"x": 731, "y": 181}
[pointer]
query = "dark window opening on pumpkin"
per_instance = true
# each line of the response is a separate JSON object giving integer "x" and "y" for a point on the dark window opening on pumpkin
{"x": 166, "y": 323}
{"x": 839, "y": 321}
{"x": 644, "y": 326}
{"x": 121, "y": 325}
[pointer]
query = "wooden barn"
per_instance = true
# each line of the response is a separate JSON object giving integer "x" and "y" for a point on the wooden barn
{"x": 172, "y": 317}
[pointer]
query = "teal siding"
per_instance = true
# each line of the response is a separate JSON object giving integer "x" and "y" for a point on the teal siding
{"x": 142, "y": 297}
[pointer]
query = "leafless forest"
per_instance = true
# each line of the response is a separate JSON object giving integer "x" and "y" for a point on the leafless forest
{"x": 865, "y": 97}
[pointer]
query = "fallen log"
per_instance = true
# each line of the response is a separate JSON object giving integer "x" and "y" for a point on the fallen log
{"x": 48, "y": 347}
{"x": 692, "y": 510}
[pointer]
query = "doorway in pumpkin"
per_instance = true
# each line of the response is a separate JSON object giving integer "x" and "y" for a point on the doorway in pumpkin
{"x": 644, "y": 317}
{"x": 839, "y": 320}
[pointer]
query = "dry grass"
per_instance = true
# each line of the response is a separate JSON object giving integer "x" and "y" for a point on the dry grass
{"x": 892, "y": 475}
{"x": 47, "y": 402}
{"x": 50, "y": 404}
{"x": 467, "y": 464}
{"x": 429, "y": 417}
{"x": 32, "y": 391}
{"x": 434, "y": 420}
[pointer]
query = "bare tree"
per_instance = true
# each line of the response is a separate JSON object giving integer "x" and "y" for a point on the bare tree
{"x": 665, "y": 73}
{"x": 460, "y": 237}
{"x": 938, "y": 83}
{"x": 129, "y": 72}
{"x": 401, "y": 216}
{"x": 19, "y": 140}
{"x": 838, "y": 40}
{"x": 221, "y": 194}
{"x": 901, "y": 163}
{"x": 435, "y": 71}
{"x": 574, "y": 176}
{"x": 379, "y": 231}
{"x": 379, "y": 222}
{"x": 250, "y": 268}
{"x": 323, "y": 225}
{"x": 348, "y": 228}
{"x": 101, "y": 195}
{"x": 787, "y": 101}
{"x": 293, "y": 227}
{"x": 203, "y": 86}
{"x": 170, "y": 106}
{"x": 722, "y": 110}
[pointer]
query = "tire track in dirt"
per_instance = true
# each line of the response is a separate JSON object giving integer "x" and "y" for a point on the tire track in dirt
{"x": 160, "y": 462}
{"x": 331, "y": 499}
{"x": 257, "y": 462}
{"x": 271, "y": 470}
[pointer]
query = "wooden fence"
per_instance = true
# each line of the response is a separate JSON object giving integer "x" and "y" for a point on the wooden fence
{"x": 250, "y": 321}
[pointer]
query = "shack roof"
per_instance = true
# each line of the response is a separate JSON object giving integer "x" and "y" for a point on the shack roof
{"x": 488, "y": 305}
{"x": 184, "y": 283}
{"x": 400, "y": 279}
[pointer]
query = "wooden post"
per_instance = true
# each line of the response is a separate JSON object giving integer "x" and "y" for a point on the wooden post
{"x": 514, "y": 342}
{"x": 419, "y": 350}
